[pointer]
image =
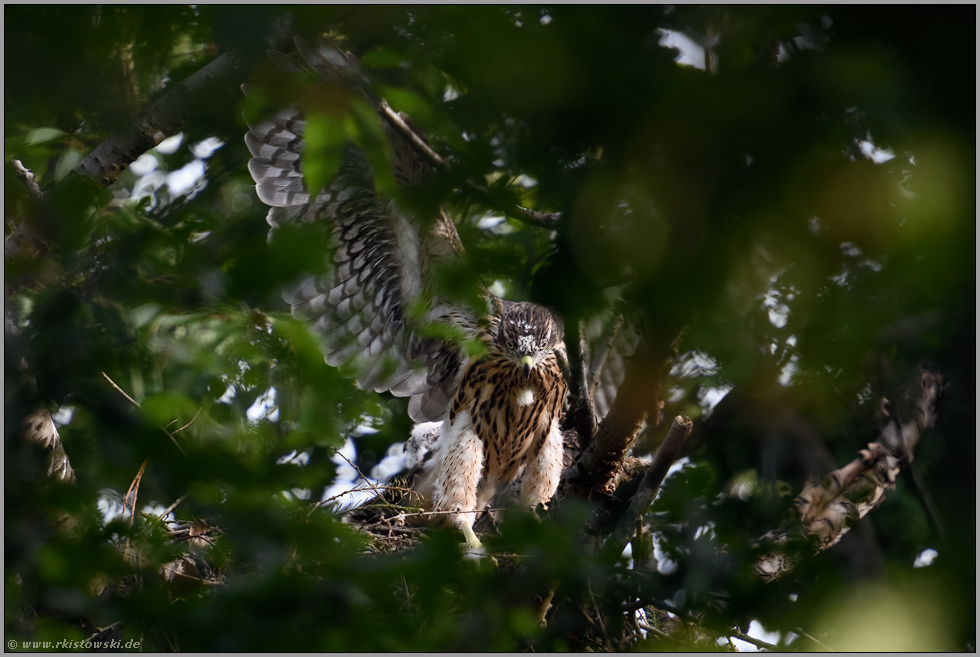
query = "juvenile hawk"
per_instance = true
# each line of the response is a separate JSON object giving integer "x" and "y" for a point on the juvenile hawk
{"x": 500, "y": 410}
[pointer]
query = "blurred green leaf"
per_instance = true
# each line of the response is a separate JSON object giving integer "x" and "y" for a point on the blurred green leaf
{"x": 43, "y": 135}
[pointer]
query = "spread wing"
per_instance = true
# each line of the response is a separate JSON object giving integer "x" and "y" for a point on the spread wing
{"x": 381, "y": 254}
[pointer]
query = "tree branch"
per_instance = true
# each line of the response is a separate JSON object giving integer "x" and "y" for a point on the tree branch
{"x": 160, "y": 120}
{"x": 638, "y": 398}
{"x": 538, "y": 218}
{"x": 742, "y": 636}
{"x": 652, "y": 480}
{"x": 823, "y": 513}
{"x": 417, "y": 142}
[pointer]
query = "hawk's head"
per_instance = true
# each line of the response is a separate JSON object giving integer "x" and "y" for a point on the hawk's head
{"x": 527, "y": 333}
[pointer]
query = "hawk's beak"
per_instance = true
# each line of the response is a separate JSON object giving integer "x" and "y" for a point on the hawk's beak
{"x": 526, "y": 365}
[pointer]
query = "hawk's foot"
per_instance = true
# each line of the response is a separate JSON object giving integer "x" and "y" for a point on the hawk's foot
{"x": 473, "y": 548}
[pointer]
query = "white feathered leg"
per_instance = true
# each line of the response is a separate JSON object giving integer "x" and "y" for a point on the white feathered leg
{"x": 461, "y": 458}
{"x": 541, "y": 473}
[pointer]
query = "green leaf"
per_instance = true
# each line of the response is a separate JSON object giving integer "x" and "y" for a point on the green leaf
{"x": 43, "y": 135}
{"x": 404, "y": 100}
{"x": 326, "y": 138}
{"x": 66, "y": 163}
{"x": 164, "y": 408}
{"x": 382, "y": 57}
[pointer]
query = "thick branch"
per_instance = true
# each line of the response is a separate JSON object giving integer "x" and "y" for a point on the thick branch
{"x": 823, "y": 513}
{"x": 538, "y": 218}
{"x": 160, "y": 120}
{"x": 638, "y": 398}
{"x": 653, "y": 478}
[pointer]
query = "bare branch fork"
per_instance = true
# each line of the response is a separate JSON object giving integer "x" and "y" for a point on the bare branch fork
{"x": 653, "y": 478}
{"x": 824, "y": 512}
{"x": 638, "y": 399}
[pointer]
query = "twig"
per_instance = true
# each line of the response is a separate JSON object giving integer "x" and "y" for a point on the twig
{"x": 755, "y": 642}
{"x": 601, "y": 458}
{"x": 174, "y": 506}
{"x": 823, "y": 645}
{"x": 650, "y": 484}
{"x": 417, "y": 142}
{"x": 135, "y": 485}
{"x": 189, "y": 423}
{"x": 651, "y": 628}
{"x": 132, "y": 514}
{"x": 200, "y": 579}
{"x": 538, "y": 218}
{"x": 102, "y": 630}
{"x": 442, "y": 513}
{"x": 598, "y": 613}
{"x": 541, "y": 219}
{"x": 121, "y": 391}
{"x": 137, "y": 405}
{"x": 174, "y": 441}
{"x": 370, "y": 486}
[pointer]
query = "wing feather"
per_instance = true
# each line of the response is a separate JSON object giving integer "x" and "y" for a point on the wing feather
{"x": 381, "y": 255}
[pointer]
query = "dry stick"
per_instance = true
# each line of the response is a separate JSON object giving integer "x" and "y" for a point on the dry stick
{"x": 132, "y": 513}
{"x": 102, "y": 630}
{"x": 417, "y": 142}
{"x": 370, "y": 486}
{"x": 136, "y": 485}
{"x": 121, "y": 391}
{"x": 204, "y": 581}
{"x": 173, "y": 506}
{"x": 823, "y": 645}
{"x": 137, "y": 405}
{"x": 537, "y": 218}
{"x": 400, "y": 489}
{"x": 651, "y": 628}
{"x": 602, "y": 625}
{"x": 650, "y": 484}
{"x": 191, "y": 422}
